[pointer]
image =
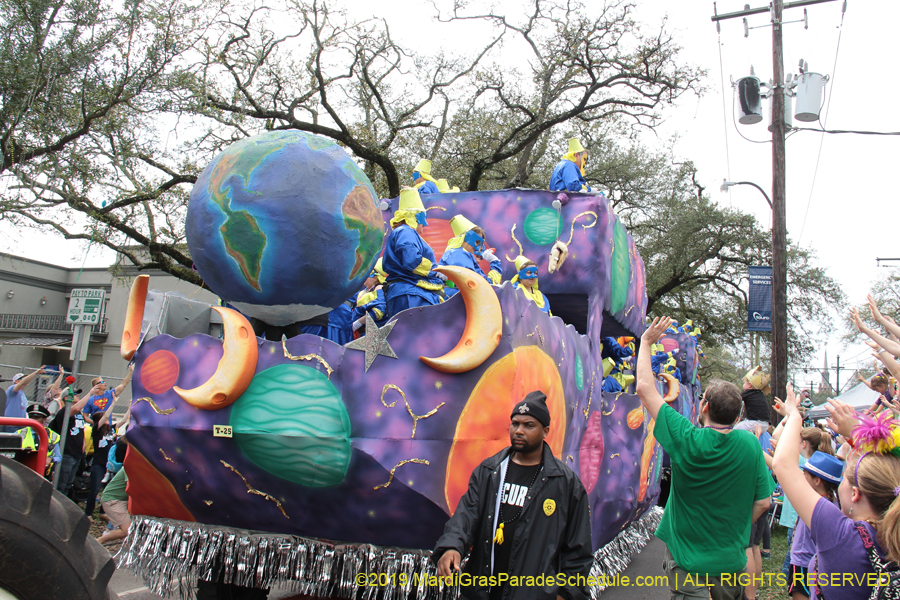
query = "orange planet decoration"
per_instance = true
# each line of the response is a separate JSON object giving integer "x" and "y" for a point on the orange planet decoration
{"x": 484, "y": 323}
{"x": 636, "y": 418}
{"x": 134, "y": 315}
{"x": 437, "y": 234}
{"x": 236, "y": 368}
{"x": 159, "y": 372}
{"x": 483, "y": 426}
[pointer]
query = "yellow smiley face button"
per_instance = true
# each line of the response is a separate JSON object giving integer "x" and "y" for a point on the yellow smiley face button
{"x": 549, "y": 506}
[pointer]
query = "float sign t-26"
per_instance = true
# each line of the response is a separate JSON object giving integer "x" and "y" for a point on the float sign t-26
{"x": 85, "y": 307}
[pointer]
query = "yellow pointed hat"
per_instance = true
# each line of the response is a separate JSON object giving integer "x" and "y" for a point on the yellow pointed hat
{"x": 460, "y": 225}
{"x": 520, "y": 261}
{"x": 410, "y": 200}
{"x": 575, "y": 146}
{"x": 423, "y": 167}
{"x": 380, "y": 274}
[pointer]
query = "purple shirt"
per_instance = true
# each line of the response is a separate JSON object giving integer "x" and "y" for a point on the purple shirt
{"x": 841, "y": 551}
{"x": 803, "y": 548}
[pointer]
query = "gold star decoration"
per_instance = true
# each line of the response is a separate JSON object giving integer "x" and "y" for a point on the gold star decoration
{"x": 374, "y": 342}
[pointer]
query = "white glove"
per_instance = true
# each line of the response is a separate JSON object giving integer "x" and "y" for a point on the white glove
{"x": 359, "y": 323}
{"x": 489, "y": 256}
{"x": 441, "y": 276}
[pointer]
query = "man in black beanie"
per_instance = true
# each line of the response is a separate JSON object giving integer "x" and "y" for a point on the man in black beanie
{"x": 534, "y": 540}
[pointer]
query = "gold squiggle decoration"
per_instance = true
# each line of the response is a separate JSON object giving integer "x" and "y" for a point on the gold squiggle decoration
{"x": 512, "y": 232}
{"x": 614, "y": 455}
{"x": 569, "y": 457}
{"x": 537, "y": 328}
{"x": 572, "y": 230}
{"x": 208, "y": 502}
{"x": 616, "y": 399}
{"x": 418, "y": 461}
{"x": 630, "y": 308}
{"x": 153, "y": 405}
{"x": 587, "y": 409}
{"x": 415, "y": 417}
{"x": 289, "y": 356}
{"x": 436, "y": 208}
{"x": 165, "y": 456}
{"x": 188, "y": 486}
{"x": 252, "y": 490}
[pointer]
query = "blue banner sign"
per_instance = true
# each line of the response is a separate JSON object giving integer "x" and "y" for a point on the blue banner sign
{"x": 759, "y": 305}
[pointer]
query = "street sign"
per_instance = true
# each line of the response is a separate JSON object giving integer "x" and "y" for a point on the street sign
{"x": 85, "y": 307}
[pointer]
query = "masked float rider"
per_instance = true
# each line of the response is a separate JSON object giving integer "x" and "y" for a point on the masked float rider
{"x": 371, "y": 299}
{"x": 568, "y": 175}
{"x": 408, "y": 259}
{"x": 423, "y": 182}
{"x": 467, "y": 248}
{"x": 30, "y": 439}
{"x": 526, "y": 279}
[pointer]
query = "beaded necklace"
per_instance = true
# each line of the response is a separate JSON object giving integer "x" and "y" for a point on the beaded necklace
{"x": 498, "y": 537}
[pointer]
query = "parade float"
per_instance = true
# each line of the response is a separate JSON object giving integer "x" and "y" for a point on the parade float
{"x": 301, "y": 463}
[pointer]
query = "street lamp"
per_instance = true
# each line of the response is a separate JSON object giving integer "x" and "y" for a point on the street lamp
{"x": 779, "y": 290}
{"x": 728, "y": 184}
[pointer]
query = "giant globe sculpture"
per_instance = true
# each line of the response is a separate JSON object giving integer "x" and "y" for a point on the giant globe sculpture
{"x": 284, "y": 226}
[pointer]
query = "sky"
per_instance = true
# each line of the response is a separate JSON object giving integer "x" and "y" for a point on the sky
{"x": 840, "y": 199}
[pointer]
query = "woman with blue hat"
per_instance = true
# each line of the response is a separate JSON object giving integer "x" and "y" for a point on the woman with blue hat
{"x": 823, "y": 473}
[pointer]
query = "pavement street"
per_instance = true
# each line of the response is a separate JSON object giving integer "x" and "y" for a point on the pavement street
{"x": 647, "y": 563}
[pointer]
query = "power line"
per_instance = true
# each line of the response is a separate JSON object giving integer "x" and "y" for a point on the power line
{"x": 812, "y": 187}
{"x": 724, "y": 110}
{"x": 857, "y": 132}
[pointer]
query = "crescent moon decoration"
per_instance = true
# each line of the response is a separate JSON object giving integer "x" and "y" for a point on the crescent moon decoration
{"x": 252, "y": 490}
{"x": 289, "y": 356}
{"x": 418, "y": 461}
{"x": 484, "y": 323}
{"x": 235, "y": 369}
{"x": 415, "y": 417}
{"x": 674, "y": 388}
{"x": 134, "y": 315}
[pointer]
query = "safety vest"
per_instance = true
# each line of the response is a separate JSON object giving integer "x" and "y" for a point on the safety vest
{"x": 30, "y": 440}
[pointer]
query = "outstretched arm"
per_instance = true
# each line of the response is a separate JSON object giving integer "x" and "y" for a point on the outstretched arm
{"x": 889, "y": 345}
{"x": 646, "y": 380}
{"x": 787, "y": 457}
{"x": 121, "y": 387}
{"x": 889, "y": 324}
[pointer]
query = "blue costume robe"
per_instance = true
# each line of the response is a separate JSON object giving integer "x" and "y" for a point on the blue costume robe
{"x": 373, "y": 303}
{"x": 567, "y": 177}
{"x": 340, "y": 325}
{"x": 408, "y": 261}
{"x": 428, "y": 187}
{"x": 460, "y": 257}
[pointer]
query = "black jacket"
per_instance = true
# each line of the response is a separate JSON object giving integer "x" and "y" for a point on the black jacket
{"x": 756, "y": 407}
{"x": 543, "y": 545}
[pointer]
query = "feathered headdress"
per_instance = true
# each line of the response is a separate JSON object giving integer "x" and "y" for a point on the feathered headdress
{"x": 880, "y": 434}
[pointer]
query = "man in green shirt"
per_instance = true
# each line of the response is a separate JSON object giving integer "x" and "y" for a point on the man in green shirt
{"x": 720, "y": 485}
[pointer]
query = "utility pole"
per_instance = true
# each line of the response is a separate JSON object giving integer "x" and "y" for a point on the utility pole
{"x": 779, "y": 218}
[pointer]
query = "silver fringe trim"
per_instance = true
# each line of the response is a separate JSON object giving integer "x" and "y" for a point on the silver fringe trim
{"x": 171, "y": 556}
{"x": 614, "y": 557}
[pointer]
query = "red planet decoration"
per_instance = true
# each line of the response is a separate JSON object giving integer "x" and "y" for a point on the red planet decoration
{"x": 159, "y": 372}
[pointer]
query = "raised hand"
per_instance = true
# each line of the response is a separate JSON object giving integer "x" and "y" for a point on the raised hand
{"x": 843, "y": 417}
{"x": 656, "y": 330}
